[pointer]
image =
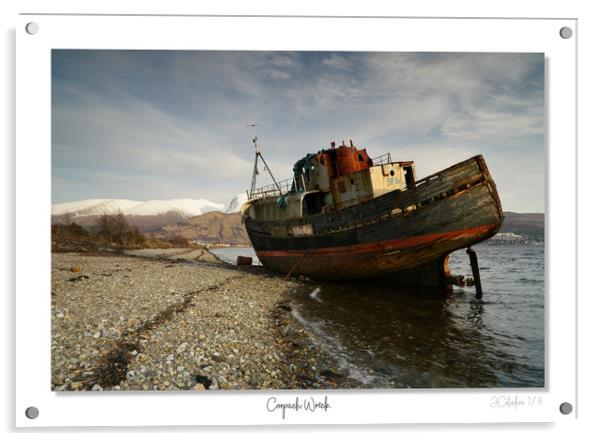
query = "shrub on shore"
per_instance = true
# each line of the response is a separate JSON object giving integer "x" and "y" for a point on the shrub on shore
{"x": 62, "y": 231}
{"x": 70, "y": 236}
{"x": 110, "y": 231}
{"x": 169, "y": 242}
{"x": 115, "y": 229}
{"x": 179, "y": 241}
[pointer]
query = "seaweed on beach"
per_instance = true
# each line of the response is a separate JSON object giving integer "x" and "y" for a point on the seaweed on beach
{"x": 111, "y": 368}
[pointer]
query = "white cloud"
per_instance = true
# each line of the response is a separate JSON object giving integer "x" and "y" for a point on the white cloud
{"x": 338, "y": 62}
{"x": 182, "y": 119}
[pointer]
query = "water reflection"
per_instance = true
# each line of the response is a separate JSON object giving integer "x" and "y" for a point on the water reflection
{"x": 385, "y": 336}
{"x": 399, "y": 338}
{"x": 476, "y": 312}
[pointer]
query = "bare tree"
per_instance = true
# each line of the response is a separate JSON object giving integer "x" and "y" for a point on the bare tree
{"x": 63, "y": 222}
{"x": 115, "y": 228}
{"x": 66, "y": 219}
{"x": 121, "y": 228}
{"x": 104, "y": 227}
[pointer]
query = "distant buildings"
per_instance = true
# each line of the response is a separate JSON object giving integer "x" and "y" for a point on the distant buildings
{"x": 511, "y": 239}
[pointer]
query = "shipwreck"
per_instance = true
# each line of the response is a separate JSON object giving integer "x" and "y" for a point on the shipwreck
{"x": 345, "y": 215}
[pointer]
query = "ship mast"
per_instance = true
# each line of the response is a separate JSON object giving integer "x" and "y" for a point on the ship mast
{"x": 255, "y": 171}
{"x": 258, "y": 155}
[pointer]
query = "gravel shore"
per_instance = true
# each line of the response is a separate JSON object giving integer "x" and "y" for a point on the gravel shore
{"x": 173, "y": 320}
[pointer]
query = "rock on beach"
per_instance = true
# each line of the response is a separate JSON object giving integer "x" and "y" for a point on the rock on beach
{"x": 136, "y": 323}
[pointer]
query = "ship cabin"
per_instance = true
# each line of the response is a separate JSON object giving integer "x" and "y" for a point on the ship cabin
{"x": 329, "y": 180}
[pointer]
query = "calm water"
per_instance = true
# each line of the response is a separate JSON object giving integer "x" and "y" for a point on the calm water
{"x": 386, "y": 336}
{"x": 229, "y": 254}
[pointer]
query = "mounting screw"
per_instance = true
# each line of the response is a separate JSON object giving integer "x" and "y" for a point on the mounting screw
{"x": 32, "y": 28}
{"x": 32, "y": 412}
{"x": 566, "y": 408}
{"x": 566, "y": 32}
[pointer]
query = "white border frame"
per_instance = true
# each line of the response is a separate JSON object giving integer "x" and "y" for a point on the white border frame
{"x": 292, "y": 33}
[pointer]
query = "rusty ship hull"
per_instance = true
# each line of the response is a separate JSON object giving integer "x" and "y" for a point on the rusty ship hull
{"x": 400, "y": 236}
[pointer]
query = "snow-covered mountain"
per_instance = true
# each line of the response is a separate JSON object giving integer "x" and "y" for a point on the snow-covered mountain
{"x": 93, "y": 207}
{"x": 236, "y": 203}
{"x": 186, "y": 207}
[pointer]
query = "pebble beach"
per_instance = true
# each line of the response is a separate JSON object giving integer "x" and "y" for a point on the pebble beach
{"x": 177, "y": 320}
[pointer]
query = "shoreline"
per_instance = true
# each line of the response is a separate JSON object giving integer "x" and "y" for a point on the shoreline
{"x": 177, "y": 319}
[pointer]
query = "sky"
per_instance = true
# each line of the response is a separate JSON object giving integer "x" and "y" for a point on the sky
{"x": 173, "y": 124}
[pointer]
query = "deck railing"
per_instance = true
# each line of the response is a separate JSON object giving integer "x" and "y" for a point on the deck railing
{"x": 382, "y": 159}
{"x": 276, "y": 189}
{"x": 284, "y": 186}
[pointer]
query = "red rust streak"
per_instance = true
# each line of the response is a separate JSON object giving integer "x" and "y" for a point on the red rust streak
{"x": 385, "y": 244}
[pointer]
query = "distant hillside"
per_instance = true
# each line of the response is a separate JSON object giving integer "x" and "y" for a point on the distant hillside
{"x": 530, "y": 225}
{"x": 148, "y": 216}
{"x": 145, "y": 224}
{"x": 167, "y": 219}
{"x": 212, "y": 227}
